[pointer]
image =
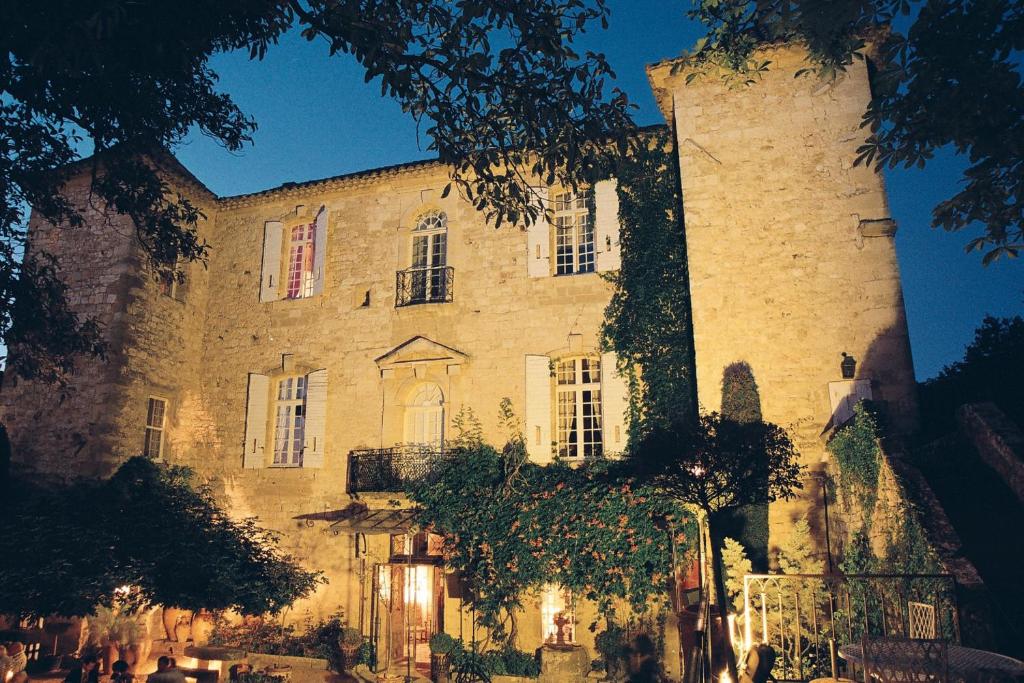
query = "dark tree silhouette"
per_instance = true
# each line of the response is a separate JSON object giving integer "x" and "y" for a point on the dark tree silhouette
{"x": 720, "y": 465}
{"x": 69, "y": 549}
{"x": 992, "y": 369}
{"x": 741, "y": 402}
{"x": 502, "y": 94}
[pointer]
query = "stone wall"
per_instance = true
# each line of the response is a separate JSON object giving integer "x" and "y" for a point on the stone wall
{"x": 88, "y": 428}
{"x": 790, "y": 249}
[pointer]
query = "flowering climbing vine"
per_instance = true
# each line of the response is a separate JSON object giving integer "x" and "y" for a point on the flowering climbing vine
{"x": 511, "y": 526}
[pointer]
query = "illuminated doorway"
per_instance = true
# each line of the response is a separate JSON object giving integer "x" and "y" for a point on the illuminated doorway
{"x": 411, "y": 611}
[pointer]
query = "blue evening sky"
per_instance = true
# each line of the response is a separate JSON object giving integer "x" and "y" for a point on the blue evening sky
{"x": 317, "y": 118}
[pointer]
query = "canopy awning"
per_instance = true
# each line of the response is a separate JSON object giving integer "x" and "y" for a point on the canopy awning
{"x": 358, "y": 518}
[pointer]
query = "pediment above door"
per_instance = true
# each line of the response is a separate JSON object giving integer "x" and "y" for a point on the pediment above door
{"x": 419, "y": 350}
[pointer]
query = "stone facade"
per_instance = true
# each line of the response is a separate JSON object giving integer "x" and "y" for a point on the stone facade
{"x": 791, "y": 264}
{"x": 790, "y": 247}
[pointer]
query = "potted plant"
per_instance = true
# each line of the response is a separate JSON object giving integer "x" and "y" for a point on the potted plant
{"x": 119, "y": 634}
{"x": 442, "y": 646}
{"x": 351, "y": 641}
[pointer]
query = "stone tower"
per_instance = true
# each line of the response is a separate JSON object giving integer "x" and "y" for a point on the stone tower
{"x": 791, "y": 253}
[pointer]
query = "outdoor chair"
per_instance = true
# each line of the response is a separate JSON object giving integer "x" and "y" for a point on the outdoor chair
{"x": 921, "y": 620}
{"x": 906, "y": 660}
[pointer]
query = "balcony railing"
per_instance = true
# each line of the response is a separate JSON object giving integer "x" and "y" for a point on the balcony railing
{"x": 424, "y": 286}
{"x": 391, "y": 469}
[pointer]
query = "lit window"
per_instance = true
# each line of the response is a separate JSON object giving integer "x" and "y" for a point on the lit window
{"x": 574, "y": 233}
{"x": 290, "y": 421}
{"x": 578, "y": 405}
{"x": 156, "y": 414}
{"x": 300, "y": 261}
{"x": 556, "y": 614}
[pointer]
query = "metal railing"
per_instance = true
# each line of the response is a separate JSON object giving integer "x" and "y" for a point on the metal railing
{"x": 424, "y": 286}
{"x": 805, "y": 617}
{"x": 391, "y": 469}
{"x": 698, "y": 666}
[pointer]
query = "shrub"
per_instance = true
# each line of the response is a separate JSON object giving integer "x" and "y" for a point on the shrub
{"x": 442, "y": 644}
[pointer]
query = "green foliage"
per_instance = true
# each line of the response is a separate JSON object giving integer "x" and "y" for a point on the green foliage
{"x": 116, "y": 625}
{"x": 613, "y": 647}
{"x": 952, "y": 79}
{"x": 513, "y": 530}
{"x": 797, "y": 553}
{"x": 735, "y": 565}
{"x": 992, "y": 369}
{"x": 509, "y": 661}
{"x": 442, "y": 644}
{"x": 720, "y": 465}
{"x": 741, "y": 400}
{"x": 647, "y": 322}
{"x": 322, "y": 639}
{"x": 469, "y": 432}
{"x": 856, "y": 452}
{"x": 499, "y": 89}
{"x": 149, "y": 527}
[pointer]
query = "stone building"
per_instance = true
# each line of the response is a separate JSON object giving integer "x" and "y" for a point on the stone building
{"x": 340, "y": 320}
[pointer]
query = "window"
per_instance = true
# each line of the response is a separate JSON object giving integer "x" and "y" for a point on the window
{"x": 290, "y": 421}
{"x": 300, "y": 261}
{"x": 574, "y": 233}
{"x": 556, "y": 614}
{"x": 578, "y": 406}
{"x": 424, "y": 416}
{"x": 171, "y": 282}
{"x": 429, "y": 258}
{"x": 156, "y": 415}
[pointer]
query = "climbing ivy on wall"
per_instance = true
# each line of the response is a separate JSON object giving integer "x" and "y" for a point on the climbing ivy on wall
{"x": 511, "y": 526}
{"x": 859, "y": 460}
{"x": 856, "y": 452}
{"x": 648, "y": 322}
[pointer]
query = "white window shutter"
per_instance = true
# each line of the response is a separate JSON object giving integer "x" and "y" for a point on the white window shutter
{"x": 606, "y": 225}
{"x": 273, "y": 235}
{"x": 316, "y": 419}
{"x": 538, "y": 240}
{"x": 538, "y": 408}
{"x": 614, "y": 405}
{"x": 319, "y": 251}
{"x": 256, "y": 421}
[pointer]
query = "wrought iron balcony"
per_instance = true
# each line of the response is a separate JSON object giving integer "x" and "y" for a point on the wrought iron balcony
{"x": 391, "y": 469}
{"x": 424, "y": 286}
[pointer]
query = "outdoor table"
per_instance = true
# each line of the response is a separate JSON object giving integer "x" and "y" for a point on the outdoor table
{"x": 963, "y": 661}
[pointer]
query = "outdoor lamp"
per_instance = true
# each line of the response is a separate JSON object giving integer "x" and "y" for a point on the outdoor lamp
{"x": 848, "y": 365}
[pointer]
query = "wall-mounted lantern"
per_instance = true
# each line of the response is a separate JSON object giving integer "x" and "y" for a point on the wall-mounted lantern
{"x": 848, "y": 365}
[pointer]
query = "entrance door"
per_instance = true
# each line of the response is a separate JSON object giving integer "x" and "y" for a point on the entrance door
{"x": 411, "y": 611}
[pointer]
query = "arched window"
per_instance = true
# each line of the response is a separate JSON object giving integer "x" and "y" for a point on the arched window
{"x": 578, "y": 407}
{"x": 424, "y": 416}
{"x": 429, "y": 257}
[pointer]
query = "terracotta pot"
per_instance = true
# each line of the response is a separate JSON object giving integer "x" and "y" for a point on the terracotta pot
{"x": 170, "y": 618}
{"x": 182, "y": 629}
{"x": 202, "y": 628}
